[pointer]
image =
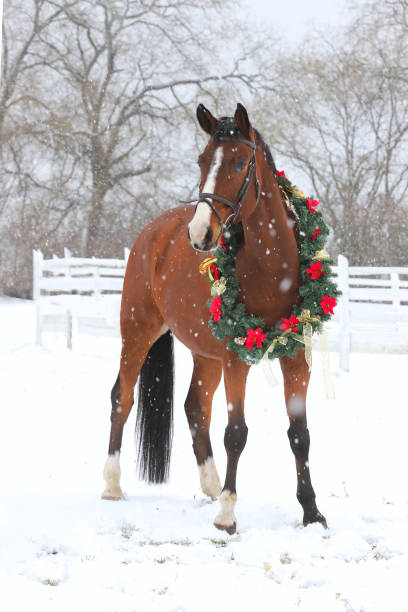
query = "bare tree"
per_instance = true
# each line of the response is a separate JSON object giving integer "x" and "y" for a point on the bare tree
{"x": 127, "y": 66}
{"x": 342, "y": 119}
{"x": 98, "y": 102}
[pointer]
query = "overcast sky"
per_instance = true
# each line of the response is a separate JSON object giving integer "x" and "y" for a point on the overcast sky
{"x": 294, "y": 18}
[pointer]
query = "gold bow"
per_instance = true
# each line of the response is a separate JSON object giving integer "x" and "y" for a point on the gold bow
{"x": 306, "y": 338}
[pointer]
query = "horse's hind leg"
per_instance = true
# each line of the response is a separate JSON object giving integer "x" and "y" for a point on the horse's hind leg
{"x": 296, "y": 380}
{"x": 205, "y": 380}
{"x": 136, "y": 343}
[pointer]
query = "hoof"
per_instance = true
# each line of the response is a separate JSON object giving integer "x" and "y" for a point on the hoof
{"x": 113, "y": 495}
{"x": 315, "y": 518}
{"x": 230, "y": 529}
{"x": 213, "y": 495}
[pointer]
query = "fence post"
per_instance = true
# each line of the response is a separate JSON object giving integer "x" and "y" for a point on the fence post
{"x": 37, "y": 261}
{"x": 126, "y": 252}
{"x": 97, "y": 287}
{"x": 395, "y": 288}
{"x": 69, "y": 329}
{"x": 344, "y": 332}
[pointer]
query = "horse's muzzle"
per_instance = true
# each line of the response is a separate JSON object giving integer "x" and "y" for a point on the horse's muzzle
{"x": 204, "y": 244}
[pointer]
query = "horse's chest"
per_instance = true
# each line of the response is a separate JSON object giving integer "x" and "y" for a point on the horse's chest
{"x": 268, "y": 291}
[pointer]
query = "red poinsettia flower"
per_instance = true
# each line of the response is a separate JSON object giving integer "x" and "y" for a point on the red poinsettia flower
{"x": 222, "y": 243}
{"x": 215, "y": 309}
{"x": 216, "y": 273}
{"x": 254, "y": 336}
{"x": 289, "y": 323}
{"x": 328, "y": 304}
{"x": 311, "y": 203}
{"x": 315, "y": 270}
{"x": 281, "y": 173}
{"x": 315, "y": 233}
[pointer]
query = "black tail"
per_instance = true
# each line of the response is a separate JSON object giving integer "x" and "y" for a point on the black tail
{"x": 154, "y": 424}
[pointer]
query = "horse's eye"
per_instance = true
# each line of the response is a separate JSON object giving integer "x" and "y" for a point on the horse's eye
{"x": 238, "y": 166}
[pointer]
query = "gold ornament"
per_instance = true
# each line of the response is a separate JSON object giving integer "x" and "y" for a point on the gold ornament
{"x": 321, "y": 255}
{"x": 219, "y": 286}
{"x": 298, "y": 193}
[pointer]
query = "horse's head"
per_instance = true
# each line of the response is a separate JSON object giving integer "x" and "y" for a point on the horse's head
{"x": 228, "y": 173}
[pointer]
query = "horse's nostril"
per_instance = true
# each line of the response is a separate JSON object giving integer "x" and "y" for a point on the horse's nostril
{"x": 208, "y": 236}
{"x": 196, "y": 246}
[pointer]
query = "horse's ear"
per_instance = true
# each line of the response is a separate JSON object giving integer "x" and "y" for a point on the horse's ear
{"x": 242, "y": 121}
{"x": 206, "y": 119}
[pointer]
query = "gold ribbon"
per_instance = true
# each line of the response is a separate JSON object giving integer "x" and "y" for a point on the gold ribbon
{"x": 205, "y": 267}
{"x": 295, "y": 191}
{"x": 306, "y": 338}
{"x": 287, "y": 198}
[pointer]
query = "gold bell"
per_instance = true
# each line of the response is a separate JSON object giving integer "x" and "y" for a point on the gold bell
{"x": 322, "y": 255}
{"x": 219, "y": 286}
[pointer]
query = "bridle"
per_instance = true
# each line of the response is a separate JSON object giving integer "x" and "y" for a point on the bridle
{"x": 237, "y": 205}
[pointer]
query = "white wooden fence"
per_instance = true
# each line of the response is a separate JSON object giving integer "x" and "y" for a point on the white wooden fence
{"x": 83, "y": 295}
{"x": 75, "y": 293}
{"x": 373, "y": 311}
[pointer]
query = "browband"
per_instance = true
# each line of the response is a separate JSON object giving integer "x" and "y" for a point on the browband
{"x": 243, "y": 140}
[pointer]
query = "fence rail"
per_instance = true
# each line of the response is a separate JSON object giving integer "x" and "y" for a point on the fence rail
{"x": 373, "y": 310}
{"x": 75, "y": 293}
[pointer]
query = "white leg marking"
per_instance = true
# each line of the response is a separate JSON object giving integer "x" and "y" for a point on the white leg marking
{"x": 111, "y": 474}
{"x": 225, "y": 519}
{"x": 209, "y": 480}
{"x": 200, "y": 223}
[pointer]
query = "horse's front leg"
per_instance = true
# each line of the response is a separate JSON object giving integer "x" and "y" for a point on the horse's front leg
{"x": 204, "y": 382}
{"x": 296, "y": 381}
{"x": 235, "y": 375}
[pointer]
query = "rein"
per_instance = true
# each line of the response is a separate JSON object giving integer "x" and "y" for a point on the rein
{"x": 237, "y": 205}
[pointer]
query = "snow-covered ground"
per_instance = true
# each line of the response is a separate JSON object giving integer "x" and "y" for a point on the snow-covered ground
{"x": 63, "y": 548}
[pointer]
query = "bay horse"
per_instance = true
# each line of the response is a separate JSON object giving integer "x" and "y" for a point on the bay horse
{"x": 164, "y": 295}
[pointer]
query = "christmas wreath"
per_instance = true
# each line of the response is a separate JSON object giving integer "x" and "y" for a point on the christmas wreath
{"x": 246, "y": 333}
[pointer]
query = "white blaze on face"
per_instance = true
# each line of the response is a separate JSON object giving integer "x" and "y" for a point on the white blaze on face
{"x": 200, "y": 223}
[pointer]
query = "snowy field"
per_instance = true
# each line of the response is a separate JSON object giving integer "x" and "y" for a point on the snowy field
{"x": 63, "y": 548}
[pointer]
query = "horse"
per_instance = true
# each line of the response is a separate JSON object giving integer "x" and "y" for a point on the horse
{"x": 164, "y": 296}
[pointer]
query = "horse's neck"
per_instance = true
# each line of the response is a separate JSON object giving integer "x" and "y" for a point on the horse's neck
{"x": 269, "y": 233}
